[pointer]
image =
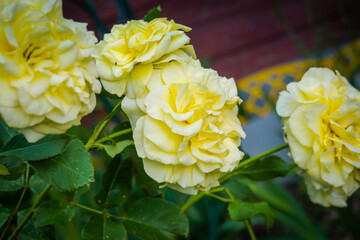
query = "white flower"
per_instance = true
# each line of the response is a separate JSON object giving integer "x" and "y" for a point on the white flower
{"x": 186, "y": 126}
{"x": 321, "y": 115}
{"x": 47, "y": 77}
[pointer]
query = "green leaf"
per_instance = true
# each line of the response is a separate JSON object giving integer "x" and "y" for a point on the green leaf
{"x": 240, "y": 211}
{"x": 7, "y": 185}
{"x": 15, "y": 165}
{"x": 266, "y": 168}
{"x": 115, "y": 149}
{"x": 156, "y": 219}
{"x": 3, "y": 170}
{"x": 6, "y": 133}
{"x": 53, "y": 212}
{"x": 101, "y": 228}
{"x": 47, "y": 147}
{"x": 37, "y": 185}
{"x": 80, "y": 192}
{"x": 287, "y": 210}
{"x": 115, "y": 183}
{"x": 240, "y": 189}
{"x": 69, "y": 170}
{"x": 30, "y": 232}
{"x": 4, "y": 215}
{"x": 141, "y": 178}
{"x": 152, "y": 14}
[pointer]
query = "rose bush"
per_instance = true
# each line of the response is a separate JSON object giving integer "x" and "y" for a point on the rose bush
{"x": 47, "y": 76}
{"x": 321, "y": 116}
{"x": 186, "y": 126}
{"x": 136, "y": 42}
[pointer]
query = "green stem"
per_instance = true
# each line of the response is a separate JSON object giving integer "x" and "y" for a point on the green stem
{"x": 26, "y": 186}
{"x": 226, "y": 176}
{"x": 261, "y": 155}
{"x": 97, "y": 211}
{"x": 31, "y": 211}
{"x": 114, "y": 135}
{"x": 100, "y": 127}
{"x": 249, "y": 228}
{"x": 193, "y": 199}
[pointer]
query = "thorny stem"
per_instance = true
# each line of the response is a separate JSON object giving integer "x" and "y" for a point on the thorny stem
{"x": 114, "y": 135}
{"x": 226, "y": 176}
{"x": 100, "y": 127}
{"x": 26, "y": 186}
{"x": 31, "y": 211}
{"x": 97, "y": 211}
{"x": 194, "y": 199}
{"x": 249, "y": 228}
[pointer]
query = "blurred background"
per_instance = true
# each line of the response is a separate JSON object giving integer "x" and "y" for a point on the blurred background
{"x": 263, "y": 45}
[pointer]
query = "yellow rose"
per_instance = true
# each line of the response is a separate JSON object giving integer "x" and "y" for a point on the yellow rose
{"x": 186, "y": 126}
{"x": 136, "y": 42}
{"x": 321, "y": 115}
{"x": 47, "y": 77}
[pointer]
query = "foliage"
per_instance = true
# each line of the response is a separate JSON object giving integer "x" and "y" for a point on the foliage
{"x": 92, "y": 185}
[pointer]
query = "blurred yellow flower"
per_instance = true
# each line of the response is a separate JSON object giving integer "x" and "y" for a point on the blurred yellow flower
{"x": 321, "y": 115}
{"x": 186, "y": 126}
{"x": 136, "y": 42}
{"x": 47, "y": 77}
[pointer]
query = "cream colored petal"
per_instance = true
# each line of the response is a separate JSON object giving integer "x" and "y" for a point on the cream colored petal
{"x": 323, "y": 196}
{"x": 208, "y": 167}
{"x": 154, "y": 152}
{"x": 182, "y": 128}
{"x": 155, "y": 81}
{"x": 205, "y": 157}
{"x": 158, "y": 133}
{"x": 184, "y": 54}
{"x": 115, "y": 87}
{"x": 11, "y": 67}
{"x": 300, "y": 154}
{"x": 333, "y": 172}
{"x": 286, "y": 104}
{"x": 188, "y": 176}
{"x": 48, "y": 127}
{"x": 10, "y": 35}
{"x": 138, "y": 135}
{"x": 60, "y": 117}
{"x": 132, "y": 110}
{"x": 210, "y": 181}
{"x": 173, "y": 74}
{"x": 35, "y": 106}
{"x": 162, "y": 47}
{"x": 138, "y": 78}
{"x": 189, "y": 190}
{"x": 16, "y": 117}
{"x": 150, "y": 55}
{"x": 67, "y": 53}
{"x": 353, "y": 159}
{"x": 234, "y": 156}
{"x": 186, "y": 158}
{"x": 104, "y": 69}
{"x": 158, "y": 171}
{"x": 314, "y": 119}
{"x": 178, "y": 40}
{"x": 299, "y": 127}
{"x": 31, "y": 135}
{"x": 349, "y": 113}
{"x": 9, "y": 96}
{"x": 153, "y": 102}
{"x": 314, "y": 75}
